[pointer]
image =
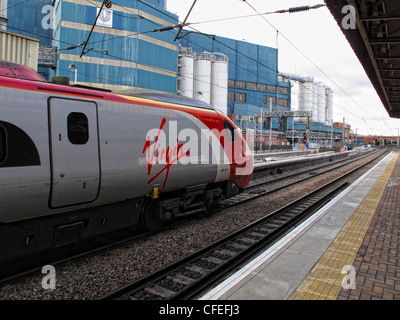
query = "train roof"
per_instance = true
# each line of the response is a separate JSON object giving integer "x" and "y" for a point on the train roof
{"x": 19, "y": 71}
{"x": 22, "y": 72}
{"x": 166, "y": 97}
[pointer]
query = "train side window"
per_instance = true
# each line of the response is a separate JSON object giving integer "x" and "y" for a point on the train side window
{"x": 230, "y": 131}
{"x": 3, "y": 144}
{"x": 78, "y": 128}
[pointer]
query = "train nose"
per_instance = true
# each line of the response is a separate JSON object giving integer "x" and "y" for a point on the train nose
{"x": 243, "y": 164}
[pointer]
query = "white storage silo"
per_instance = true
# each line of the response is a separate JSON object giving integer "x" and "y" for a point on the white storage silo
{"x": 202, "y": 77}
{"x": 186, "y": 72}
{"x": 219, "y": 82}
{"x": 314, "y": 116}
{"x": 306, "y": 98}
{"x": 321, "y": 103}
{"x": 329, "y": 106}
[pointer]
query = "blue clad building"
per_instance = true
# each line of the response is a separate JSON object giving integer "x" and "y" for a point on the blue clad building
{"x": 25, "y": 17}
{"x": 130, "y": 48}
{"x": 123, "y": 51}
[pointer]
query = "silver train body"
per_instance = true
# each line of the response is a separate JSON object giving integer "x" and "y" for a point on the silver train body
{"x": 77, "y": 162}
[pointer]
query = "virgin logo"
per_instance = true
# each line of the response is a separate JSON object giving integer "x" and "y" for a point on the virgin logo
{"x": 158, "y": 154}
{"x": 190, "y": 146}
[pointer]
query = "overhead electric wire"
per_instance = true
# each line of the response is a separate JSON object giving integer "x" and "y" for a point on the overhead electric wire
{"x": 233, "y": 49}
{"x": 246, "y": 56}
{"x": 249, "y": 93}
{"x": 120, "y": 58}
{"x": 290, "y": 10}
{"x": 304, "y": 55}
{"x": 184, "y": 21}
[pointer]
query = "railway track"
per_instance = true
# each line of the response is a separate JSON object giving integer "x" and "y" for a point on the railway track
{"x": 263, "y": 188}
{"x": 185, "y": 278}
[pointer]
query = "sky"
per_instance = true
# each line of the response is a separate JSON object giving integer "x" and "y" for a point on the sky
{"x": 309, "y": 43}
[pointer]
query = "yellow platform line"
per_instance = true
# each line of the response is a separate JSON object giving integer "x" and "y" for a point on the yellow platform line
{"x": 325, "y": 280}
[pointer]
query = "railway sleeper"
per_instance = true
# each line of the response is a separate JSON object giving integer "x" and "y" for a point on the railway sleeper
{"x": 274, "y": 224}
{"x": 159, "y": 291}
{"x": 213, "y": 260}
{"x": 281, "y": 219}
{"x": 265, "y": 230}
{"x": 238, "y": 246}
{"x": 197, "y": 269}
{"x": 247, "y": 241}
{"x": 255, "y": 235}
{"x": 291, "y": 213}
{"x": 178, "y": 278}
{"x": 225, "y": 252}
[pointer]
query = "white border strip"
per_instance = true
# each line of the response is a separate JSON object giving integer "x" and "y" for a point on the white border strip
{"x": 230, "y": 282}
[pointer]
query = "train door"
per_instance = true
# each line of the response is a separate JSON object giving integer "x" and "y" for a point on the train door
{"x": 74, "y": 152}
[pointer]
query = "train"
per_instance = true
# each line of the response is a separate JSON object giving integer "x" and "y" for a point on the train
{"x": 77, "y": 161}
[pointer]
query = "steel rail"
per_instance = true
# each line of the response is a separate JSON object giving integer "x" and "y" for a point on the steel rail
{"x": 185, "y": 278}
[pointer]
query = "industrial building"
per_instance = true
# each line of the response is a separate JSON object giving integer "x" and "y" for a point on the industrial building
{"x": 132, "y": 46}
{"x": 121, "y": 53}
{"x": 316, "y": 98}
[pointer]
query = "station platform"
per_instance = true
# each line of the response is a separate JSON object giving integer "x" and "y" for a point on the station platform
{"x": 348, "y": 250}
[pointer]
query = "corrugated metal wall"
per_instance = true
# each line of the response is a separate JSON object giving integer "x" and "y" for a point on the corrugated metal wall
{"x": 125, "y": 54}
{"x": 19, "y": 49}
{"x": 247, "y": 61}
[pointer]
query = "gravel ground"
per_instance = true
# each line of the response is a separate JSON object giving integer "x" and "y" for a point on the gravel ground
{"x": 96, "y": 276}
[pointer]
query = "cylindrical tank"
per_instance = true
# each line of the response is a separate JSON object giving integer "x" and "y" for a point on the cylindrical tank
{"x": 329, "y": 105}
{"x": 219, "y": 82}
{"x": 321, "y": 103}
{"x": 186, "y": 72}
{"x": 202, "y": 77}
{"x": 314, "y": 117}
{"x": 306, "y": 98}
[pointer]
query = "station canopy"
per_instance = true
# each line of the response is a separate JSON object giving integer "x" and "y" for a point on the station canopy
{"x": 375, "y": 39}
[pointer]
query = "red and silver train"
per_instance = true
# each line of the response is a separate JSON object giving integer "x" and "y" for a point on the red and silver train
{"x": 76, "y": 161}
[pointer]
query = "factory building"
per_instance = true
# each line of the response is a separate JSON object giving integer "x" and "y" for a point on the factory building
{"x": 316, "y": 98}
{"x": 122, "y": 52}
{"x": 132, "y": 47}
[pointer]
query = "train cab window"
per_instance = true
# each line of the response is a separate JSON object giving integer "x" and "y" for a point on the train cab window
{"x": 78, "y": 128}
{"x": 3, "y": 144}
{"x": 230, "y": 131}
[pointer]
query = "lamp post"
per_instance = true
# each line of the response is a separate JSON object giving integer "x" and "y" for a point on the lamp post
{"x": 262, "y": 127}
{"x": 293, "y": 135}
{"x": 270, "y": 125}
{"x": 74, "y": 68}
{"x": 356, "y": 137}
